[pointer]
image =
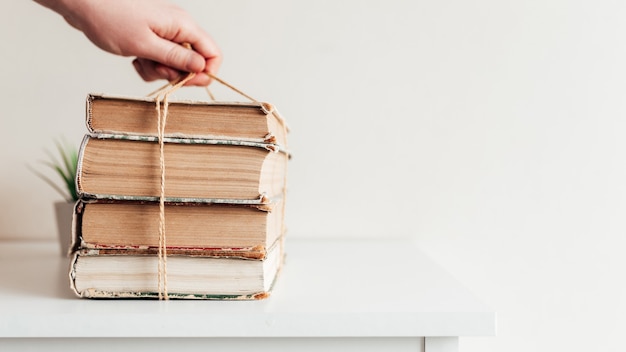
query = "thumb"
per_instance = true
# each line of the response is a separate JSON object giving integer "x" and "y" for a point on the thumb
{"x": 174, "y": 55}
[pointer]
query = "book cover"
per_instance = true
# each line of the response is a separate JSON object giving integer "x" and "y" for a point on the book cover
{"x": 224, "y": 168}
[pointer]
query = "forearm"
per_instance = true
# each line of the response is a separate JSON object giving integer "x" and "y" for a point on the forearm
{"x": 151, "y": 30}
{"x": 62, "y": 7}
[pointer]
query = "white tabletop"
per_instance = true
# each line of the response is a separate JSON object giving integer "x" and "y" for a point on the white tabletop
{"x": 328, "y": 288}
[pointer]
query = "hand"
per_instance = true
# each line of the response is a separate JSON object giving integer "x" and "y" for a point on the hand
{"x": 151, "y": 30}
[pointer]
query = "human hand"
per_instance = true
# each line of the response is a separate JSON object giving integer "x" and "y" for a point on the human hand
{"x": 151, "y": 30}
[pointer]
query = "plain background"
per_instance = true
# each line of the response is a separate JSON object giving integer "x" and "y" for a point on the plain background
{"x": 490, "y": 131}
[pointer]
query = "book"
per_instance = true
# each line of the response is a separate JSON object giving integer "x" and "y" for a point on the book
{"x": 257, "y": 122}
{"x": 208, "y": 229}
{"x": 122, "y": 167}
{"x": 222, "y": 229}
{"x": 133, "y": 275}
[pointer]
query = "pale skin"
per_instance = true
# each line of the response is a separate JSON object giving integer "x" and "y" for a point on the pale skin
{"x": 150, "y": 30}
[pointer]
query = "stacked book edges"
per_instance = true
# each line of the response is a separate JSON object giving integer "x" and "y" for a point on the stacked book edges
{"x": 224, "y": 206}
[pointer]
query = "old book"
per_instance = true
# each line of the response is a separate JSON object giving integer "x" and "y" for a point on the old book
{"x": 135, "y": 275}
{"x": 225, "y": 176}
{"x": 127, "y": 167}
{"x": 208, "y": 229}
{"x": 258, "y": 122}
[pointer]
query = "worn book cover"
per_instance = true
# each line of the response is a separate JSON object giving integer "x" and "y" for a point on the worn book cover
{"x": 134, "y": 274}
{"x": 207, "y": 229}
{"x": 212, "y": 183}
{"x": 123, "y": 167}
{"x": 253, "y": 121}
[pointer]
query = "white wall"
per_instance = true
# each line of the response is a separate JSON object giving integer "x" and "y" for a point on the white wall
{"x": 491, "y": 131}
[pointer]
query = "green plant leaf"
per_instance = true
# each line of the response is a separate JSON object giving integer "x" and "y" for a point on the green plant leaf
{"x": 51, "y": 183}
{"x": 66, "y": 169}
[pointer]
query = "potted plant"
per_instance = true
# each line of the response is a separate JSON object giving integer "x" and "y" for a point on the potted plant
{"x": 65, "y": 168}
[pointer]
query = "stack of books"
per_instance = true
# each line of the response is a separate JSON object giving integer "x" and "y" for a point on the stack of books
{"x": 224, "y": 206}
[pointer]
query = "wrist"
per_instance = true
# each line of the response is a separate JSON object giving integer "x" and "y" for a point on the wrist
{"x": 70, "y": 10}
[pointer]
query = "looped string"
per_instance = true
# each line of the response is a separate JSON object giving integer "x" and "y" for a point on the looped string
{"x": 283, "y": 228}
{"x": 285, "y": 130}
{"x": 161, "y": 97}
{"x": 229, "y": 86}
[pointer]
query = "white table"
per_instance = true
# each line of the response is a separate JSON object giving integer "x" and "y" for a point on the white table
{"x": 333, "y": 295}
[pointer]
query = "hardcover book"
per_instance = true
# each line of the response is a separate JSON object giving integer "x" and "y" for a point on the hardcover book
{"x": 208, "y": 229}
{"x": 120, "y": 167}
{"x": 256, "y": 122}
{"x": 220, "y": 204}
{"x": 135, "y": 275}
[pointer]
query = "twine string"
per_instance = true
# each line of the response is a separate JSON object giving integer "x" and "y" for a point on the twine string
{"x": 161, "y": 99}
{"x": 162, "y": 95}
{"x": 272, "y": 111}
{"x": 229, "y": 86}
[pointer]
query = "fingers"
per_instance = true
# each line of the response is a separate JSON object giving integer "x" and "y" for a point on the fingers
{"x": 204, "y": 45}
{"x": 170, "y": 60}
{"x": 160, "y": 54}
{"x": 173, "y": 55}
{"x": 212, "y": 65}
{"x": 185, "y": 30}
{"x": 164, "y": 47}
{"x": 150, "y": 70}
